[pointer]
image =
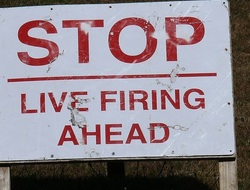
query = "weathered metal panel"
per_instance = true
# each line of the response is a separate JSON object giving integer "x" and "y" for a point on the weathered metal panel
{"x": 116, "y": 81}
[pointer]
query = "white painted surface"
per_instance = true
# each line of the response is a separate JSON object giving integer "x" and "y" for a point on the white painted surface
{"x": 207, "y": 131}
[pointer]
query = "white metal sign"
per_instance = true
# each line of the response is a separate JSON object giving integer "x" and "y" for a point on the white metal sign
{"x": 141, "y": 80}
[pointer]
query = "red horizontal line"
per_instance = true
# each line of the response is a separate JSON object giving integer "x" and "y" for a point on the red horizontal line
{"x": 93, "y": 77}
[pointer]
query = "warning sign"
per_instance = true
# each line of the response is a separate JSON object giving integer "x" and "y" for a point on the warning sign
{"x": 138, "y": 80}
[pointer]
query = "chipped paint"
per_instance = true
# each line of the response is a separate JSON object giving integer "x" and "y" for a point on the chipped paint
{"x": 52, "y": 61}
{"x": 169, "y": 87}
{"x": 83, "y": 100}
{"x": 175, "y": 127}
{"x": 174, "y": 73}
{"x": 178, "y": 127}
{"x": 49, "y": 67}
{"x": 85, "y": 27}
{"x": 76, "y": 118}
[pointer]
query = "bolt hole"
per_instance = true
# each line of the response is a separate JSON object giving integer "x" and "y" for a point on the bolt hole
{"x": 170, "y": 5}
{"x": 113, "y": 153}
{"x": 228, "y": 103}
{"x": 52, "y": 156}
{"x": 51, "y": 9}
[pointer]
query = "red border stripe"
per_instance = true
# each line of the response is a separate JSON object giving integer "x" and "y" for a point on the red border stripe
{"x": 100, "y": 77}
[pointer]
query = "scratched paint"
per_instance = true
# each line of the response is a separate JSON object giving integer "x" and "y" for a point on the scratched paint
{"x": 174, "y": 73}
{"x": 76, "y": 118}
